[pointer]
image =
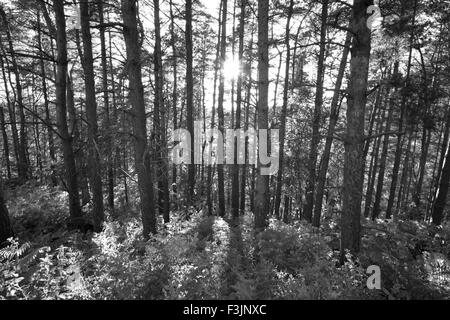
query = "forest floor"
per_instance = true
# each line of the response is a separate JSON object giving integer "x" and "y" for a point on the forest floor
{"x": 211, "y": 258}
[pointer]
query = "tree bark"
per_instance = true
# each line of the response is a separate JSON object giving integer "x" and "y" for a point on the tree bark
{"x": 312, "y": 162}
{"x": 262, "y": 196}
{"x": 6, "y": 231}
{"x": 383, "y": 161}
{"x": 354, "y": 141}
{"x": 334, "y": 117}
{"x": 106, "y": 105}
{"x": 284, "y": 109}
{"x": 442, "y": 193}
{"x": 95, "y": 169}
{"x": 159, "y": 123}
{"x": 5, "y": 142}
{"x": 220, "y": 112}
{"x": 23, "y": 165}
{"x": 142, "y": 156}
{"x": 235, "y": 191}
{"x": 398, "y": 153}
{"x": 61, "y": 115}
{"x": 190, "y": 100}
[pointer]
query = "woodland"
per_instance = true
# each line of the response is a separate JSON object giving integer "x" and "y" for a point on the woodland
{"x": 94, "y": 205}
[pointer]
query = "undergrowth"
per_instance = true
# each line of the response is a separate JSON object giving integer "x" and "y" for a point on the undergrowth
{"x": 211, "y": 258}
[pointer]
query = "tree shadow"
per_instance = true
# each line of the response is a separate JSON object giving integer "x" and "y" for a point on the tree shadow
{"x": 235, "y": 262}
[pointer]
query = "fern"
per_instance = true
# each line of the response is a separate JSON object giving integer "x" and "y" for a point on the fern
{"x": 14, "y": 250}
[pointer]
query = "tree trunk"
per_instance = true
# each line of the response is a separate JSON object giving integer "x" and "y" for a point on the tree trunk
{"x": 284, "y": 109}
{"x": 142, "y": 156}
{"x": 374, "y": 162}
{"x": 442, "y": 193}
{"x": 209, "y": 183}
{"x": 51, "y": 147}
{"x": 425, "y": 146}
{"x": 11, "y": 112}
{"x": 354, "y": 141}
{"x": 235, "y": 192}
{"x": 23, "y": 165}
{"x": 6, "y": 231}
{"x": 159, "y": 123}
{"x": 190, "y": 99}
{"x": 383, "y": 161}
{"x": 315, "y": 140}
{"x": 247, "y": 121}
{"x": 398, "y": 153}
{"x": 107, "y": 109}
{"x": 95, "y": 177}
{"x": 175, "y": 89}
{"x": 221, "y": 117}
{"x": 334, "y": 117}
{"x": 61, "y": 115}
{"x": 5, "y": 142}
{"x": 262, "y": 196}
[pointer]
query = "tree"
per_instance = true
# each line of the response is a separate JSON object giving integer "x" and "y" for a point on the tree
{"x": 106, "y": 105}
{"x": 136, "y": 96}
{"x": 220, "y": 111}
{"x": 23, "y": 163}
{"x": 334, "y": 117}
{"x": 235, "y": 192}
{"x": 6, "y": 231}
{"x": 287, "y": 40}
{"x": 95, "y": 170}
{"x": 61, "y": 116}
{"x": 398, "y": 153}
{"x": 442, "y": 193}
{"x": 354, "y": 140}
{"x": 190, "y": 99}
{"x": 312, "y": 163}
{"x": 159, "y": 122}
{"x": 262, "y": 181}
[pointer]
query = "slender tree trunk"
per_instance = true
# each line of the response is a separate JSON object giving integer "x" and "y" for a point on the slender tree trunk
{"x": 334, "y": 117}
{"x": 5, "y": 142}
{"x": 444, "y": 146}
{"x": 404, "y": 185}
{"x": 159, "y": 122}
{"x": 383, "y": 161}
{"x": 262, "y": 196}
{"x": 354, "y": 146}
{"x": 221, "y": 119}
{"x": 95, "y": 177}
{"x": 213, "y": 117}
{"x": 51, "y": 147}
{"x": 374, "y": 164}
{"x": 61, "y": 115}
{"x": 23, "y": 165}
{"x": 425, "y": 146}
{"x": 11, "y": 112}
{"x": 442, "y": 193}
{"x": 312, "y": 162}
{"x": 190, "y": 99}
{"x": 398, "y": 153}
{"x": 175, "y": 88}
{"x": 247, "y": 121}
{"x": 6, "y": 231}
{"x": 106, "y": 106}
{"x": 287, "y": 44}
{"x": 142, "y": 156}
{"x": 431, "y": 196}
{"x": 235, "y": 191}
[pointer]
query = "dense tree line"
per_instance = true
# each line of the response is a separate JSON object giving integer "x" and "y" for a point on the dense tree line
{"x": 91, "y": 92}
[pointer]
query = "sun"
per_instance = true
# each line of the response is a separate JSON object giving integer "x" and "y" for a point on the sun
{"x": 231, "y": 68}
